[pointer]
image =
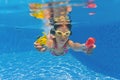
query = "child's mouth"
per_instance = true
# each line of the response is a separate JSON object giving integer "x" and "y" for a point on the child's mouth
{"x": 62, "y": 40}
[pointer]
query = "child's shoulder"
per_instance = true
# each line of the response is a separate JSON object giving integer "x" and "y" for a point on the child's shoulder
{"x": 70, "y": 41}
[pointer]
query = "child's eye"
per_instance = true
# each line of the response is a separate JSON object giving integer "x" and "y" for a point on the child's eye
{"x": 67, "y": 34}
{"x": 59, "y": 33}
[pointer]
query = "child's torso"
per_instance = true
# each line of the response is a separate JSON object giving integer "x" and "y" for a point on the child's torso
{"x": 61, "y": 50}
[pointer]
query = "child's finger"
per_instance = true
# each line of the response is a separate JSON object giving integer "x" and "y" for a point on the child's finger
{"x": 43, "y": 49}
{"x": 39, "y": 47}
{"x": 94, "y": 46}
{"x": 36, "y": 44}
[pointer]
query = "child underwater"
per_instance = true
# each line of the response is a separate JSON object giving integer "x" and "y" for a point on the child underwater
{"x": 59, "y": 42}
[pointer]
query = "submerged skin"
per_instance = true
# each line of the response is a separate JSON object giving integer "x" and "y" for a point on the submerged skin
{"x": 60, "y": 41}
{"x": 60, "y": 16}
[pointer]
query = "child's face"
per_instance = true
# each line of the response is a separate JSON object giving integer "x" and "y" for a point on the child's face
{"x": 62, "y": 33}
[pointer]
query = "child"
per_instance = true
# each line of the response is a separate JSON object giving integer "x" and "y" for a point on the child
{"x": 58, "y": 41}
{"x": 60, "y": 44}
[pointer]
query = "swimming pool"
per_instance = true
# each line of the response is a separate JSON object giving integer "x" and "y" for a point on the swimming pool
{"x": 19, "y": 60}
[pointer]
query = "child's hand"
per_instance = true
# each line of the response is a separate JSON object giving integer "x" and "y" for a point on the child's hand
{"x": 39, "y": 47}
{"x": 90, "y": 42}
{"x": 90, "y": 45}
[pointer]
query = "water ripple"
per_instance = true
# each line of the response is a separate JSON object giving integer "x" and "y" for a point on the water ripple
{"x": 36, "y": 66}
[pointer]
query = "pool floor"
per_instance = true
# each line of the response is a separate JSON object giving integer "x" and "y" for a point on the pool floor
{"x": 33, "y": 65}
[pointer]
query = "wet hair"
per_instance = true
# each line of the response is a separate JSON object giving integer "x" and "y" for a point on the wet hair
{"x": 52, "y": 31}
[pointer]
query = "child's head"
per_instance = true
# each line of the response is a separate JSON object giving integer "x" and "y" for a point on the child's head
{"x": 61, "y": 32}
{"x": 61, "y": 26}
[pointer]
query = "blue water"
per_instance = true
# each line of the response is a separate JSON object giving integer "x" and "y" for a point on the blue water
{"x": 19, "y": 60}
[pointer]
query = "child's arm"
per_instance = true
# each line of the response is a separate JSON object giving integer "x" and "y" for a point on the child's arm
{"x": 76, "y": 46}
{"x": 81, "y": 47}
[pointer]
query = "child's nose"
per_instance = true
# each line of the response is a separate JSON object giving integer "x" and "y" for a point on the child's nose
{"x": 63, "y": 37}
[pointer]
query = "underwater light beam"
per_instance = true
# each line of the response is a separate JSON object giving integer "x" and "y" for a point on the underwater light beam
{"x": 6, "y": 1}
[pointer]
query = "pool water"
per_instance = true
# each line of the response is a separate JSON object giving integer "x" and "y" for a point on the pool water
{"x": 19, "y": 60}
{"x": 32, "y": 65}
